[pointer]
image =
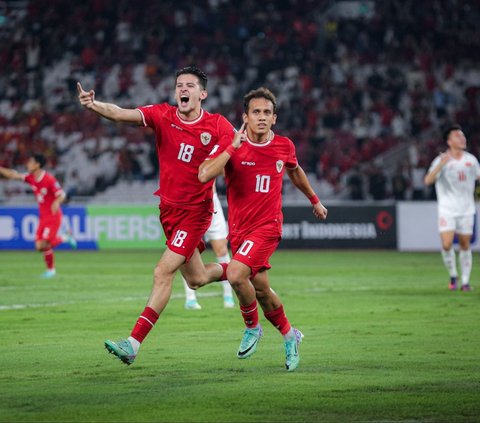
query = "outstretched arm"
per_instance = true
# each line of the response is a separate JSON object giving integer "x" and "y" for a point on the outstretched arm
{"x": 10, "y": 174}
{"x": 300, "y": 180}
{"x": 108, "y": 110}
{"x": 211, "y": 168}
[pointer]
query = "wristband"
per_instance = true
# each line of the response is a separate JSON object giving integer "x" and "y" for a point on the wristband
{"x": 230, "y": 150}
{"x": 314, "y": 199}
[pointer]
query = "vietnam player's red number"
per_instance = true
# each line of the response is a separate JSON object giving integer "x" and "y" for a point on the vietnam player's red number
{"x": 186, "y": 152}
{"x": 462, "y": 175}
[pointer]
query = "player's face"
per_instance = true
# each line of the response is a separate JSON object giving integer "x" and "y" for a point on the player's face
{"x": 32, "y": 165}
{"x": 189, "y": 94}
{"x": 260, "y": 116}
{"x": 457, "y": 140}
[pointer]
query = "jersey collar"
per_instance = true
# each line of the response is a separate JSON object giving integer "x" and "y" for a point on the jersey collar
{"x": 271, "y": 136}
{"x": 189, "y": 122}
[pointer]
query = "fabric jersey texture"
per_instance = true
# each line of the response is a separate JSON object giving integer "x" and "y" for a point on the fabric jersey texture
{"x": 181, "y": 147}
{"x": 455, "y": 185}
{"x": 46, "y": 189}
{"x": 254, "y": 178}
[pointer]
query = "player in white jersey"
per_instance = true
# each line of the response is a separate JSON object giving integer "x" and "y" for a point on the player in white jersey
{"x": 216, "y": 235}
{"x": 454, "y": 173}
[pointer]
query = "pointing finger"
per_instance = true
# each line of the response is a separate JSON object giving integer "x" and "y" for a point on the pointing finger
{"x": 242, "y": 128}
{"x": 79, "y": 88}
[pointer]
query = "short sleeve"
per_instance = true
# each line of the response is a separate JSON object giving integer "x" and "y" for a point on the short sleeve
{"x": 55, "y": 187}
{"x": 434, "y": 164}
{"x": 226, "y": 133}
{"x": 28, "y": 178}
{"x": 292, "y": 161}
{"x": 152, "y": 113}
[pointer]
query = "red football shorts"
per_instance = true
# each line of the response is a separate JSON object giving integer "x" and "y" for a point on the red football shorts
{"x": 255, "y": 248}
{"x": 48, "y": 228}
{"x": 184, "y": 229}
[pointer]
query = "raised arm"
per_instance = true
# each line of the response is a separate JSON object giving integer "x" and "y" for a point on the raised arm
{"x": 211, "y": 168}
{"x": 108, "y": 110}
{"x": 431, "y": 176}
{"x": 300, "y": 180}
{"x": 10, "y": 174}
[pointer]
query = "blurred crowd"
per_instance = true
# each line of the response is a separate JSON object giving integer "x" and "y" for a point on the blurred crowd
{"x": 350, "y": 86}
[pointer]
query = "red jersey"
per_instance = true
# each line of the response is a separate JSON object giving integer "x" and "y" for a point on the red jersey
{"x": 46, "y": 190}
{"x": 254, "y": 177}
{"x": 182, "y": 146}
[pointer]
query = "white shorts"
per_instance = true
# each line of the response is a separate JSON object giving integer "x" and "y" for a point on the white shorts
{"x": 462, "y": 225}
{"x": 218, "y": 228}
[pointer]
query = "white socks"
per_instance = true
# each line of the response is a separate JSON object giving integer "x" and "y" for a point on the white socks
{"x": 189, "y": 293}
{"x": 135, "y": 344}
{"x": 465, "y": 257}
{"x": 449, "y": 262}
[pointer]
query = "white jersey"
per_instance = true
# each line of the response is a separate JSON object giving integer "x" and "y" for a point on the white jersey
{"x": 455, "y": 185}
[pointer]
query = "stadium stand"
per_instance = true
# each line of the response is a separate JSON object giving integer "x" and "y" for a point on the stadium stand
{"x": 361, "y": 90}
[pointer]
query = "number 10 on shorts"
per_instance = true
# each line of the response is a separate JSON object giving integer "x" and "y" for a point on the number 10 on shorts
{"x": 245, "y": 247}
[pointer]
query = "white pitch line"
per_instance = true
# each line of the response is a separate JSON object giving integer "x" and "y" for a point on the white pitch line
{"x": 111, "y": 300}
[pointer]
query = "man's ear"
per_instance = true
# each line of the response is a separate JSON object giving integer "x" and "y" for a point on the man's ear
{"x": 203, "y": 95}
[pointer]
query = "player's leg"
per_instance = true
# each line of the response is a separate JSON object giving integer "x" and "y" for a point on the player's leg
{"x": 446, "y": 225}
{"x": 465, "y": 231}
{"x": 163, "y": 275}
{"x": 198, "y": 274}
{"x": 275, "y": 314}
{"x": 42, "y": 244}
{"x": 219, "y": 247}
{"x": 238, "y": 275}
{"x": 191, "y": 302}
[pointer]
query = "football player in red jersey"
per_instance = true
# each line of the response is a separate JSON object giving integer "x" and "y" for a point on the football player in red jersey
{"x": 49, "y": 195}
{"x": 185, "y": 134}
{"x": 254, "y": 164}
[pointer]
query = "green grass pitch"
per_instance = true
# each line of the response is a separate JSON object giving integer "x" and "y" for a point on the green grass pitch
{"x": 384, "y": 341}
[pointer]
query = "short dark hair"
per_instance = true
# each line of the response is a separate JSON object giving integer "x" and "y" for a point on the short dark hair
{"x": 39, "y": 158}
{"x": 261, "y": 92}
{"x": 193, "y": 70}
{"x": 448, "y": 129}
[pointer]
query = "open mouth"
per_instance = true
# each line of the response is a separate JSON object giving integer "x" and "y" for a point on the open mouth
{"x": 184, "y": 100}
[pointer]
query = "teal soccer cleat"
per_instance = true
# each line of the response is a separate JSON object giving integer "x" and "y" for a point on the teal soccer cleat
{"x": 228, "y": 301}
{"x": 122, "y": 349}
{"x": 249, "y": 342}
{"x": 48, "y": 274}
{"x": 291, "y": 351}
{"x": 192, "y": 305}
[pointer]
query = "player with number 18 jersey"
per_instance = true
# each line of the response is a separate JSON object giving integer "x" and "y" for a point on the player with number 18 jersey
{"x": 181, "y": 147}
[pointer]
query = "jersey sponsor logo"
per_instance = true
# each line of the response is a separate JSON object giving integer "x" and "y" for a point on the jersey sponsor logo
{"x": 205, "y": 138}
{"x": 245, "y": 163}
{"x": 468, "y": 164}
{"x": 279, "y": 165}
{"x": 176, "y": 127}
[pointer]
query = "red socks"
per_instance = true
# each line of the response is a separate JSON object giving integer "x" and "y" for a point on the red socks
{"x": 279, "y": 319}
{"x": 49, "y": 259}
{"x": 224, "y": 273}
{"x": 250, "y": 314}
{"x": 144, "y": 324}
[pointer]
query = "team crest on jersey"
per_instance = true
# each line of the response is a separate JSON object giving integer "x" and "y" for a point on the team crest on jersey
{"x": 279, "y": 165}
{"x": 205, "y": 138}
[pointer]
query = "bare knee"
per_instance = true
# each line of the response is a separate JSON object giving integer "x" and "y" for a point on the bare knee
{"x": 236, "y": 277}
{"x": 262, "y": 293}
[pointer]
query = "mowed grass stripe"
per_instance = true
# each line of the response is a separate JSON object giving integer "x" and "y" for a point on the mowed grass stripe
{"x": 384, "y": 341}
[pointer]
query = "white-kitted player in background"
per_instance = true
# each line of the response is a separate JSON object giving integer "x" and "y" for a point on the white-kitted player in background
{"x": 216, "y": 235}
{"x": 454, "y": 173}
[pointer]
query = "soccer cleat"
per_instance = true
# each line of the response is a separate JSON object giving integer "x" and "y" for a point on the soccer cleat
{"x": 71, "y": 240}
{"x": 466, "y": 287}
{"x": 453, "y": 284}
{"x": 122, "y": 349}
{"x": 192, "y": 305}
{"x": 228, "y": 301}
{"x": 291, "y": 351}
{"x": 48, "y": 274}
{"x": 249, "y": 342}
